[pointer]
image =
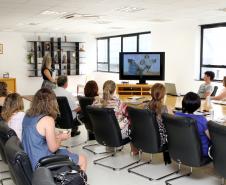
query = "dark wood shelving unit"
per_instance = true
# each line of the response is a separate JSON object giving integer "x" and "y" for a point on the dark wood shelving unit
{"x": 65, "y": 56}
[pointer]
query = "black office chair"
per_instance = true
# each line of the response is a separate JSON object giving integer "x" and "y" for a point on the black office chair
{"x": 5, "y": 134}
{"x": 107, "y": 132}
{"x": 184, "y": 144}
{"x": 65, "y": 119}
{"x": 20, "y": 166}
{"x": 84, "y": 102}
{"x": 214, "y": 91}
{"x": 144, "y": 135}
{"x": 218, "y": 138}
{"x": 42, "y": 176}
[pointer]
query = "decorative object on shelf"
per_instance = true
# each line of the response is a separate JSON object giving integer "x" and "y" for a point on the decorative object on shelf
{"x": 1, "y": 48}
{"x": 82, "y": 48}
{"x": 29, "y": 57}
{"x": 6, "y": 75}
{"x": 47, "y": 46}
{"x": 39, "y": 38}
{"x": 65, "y": 38}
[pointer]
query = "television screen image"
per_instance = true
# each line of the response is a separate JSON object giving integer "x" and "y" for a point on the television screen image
{"x": 143, "y": 64}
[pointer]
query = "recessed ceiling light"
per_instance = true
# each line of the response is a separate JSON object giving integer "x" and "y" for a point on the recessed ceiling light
{"x": 78, "y": 15}
{"x": 103, "y": 22}
{"x": 116, "y": 28}
{"x": 49, "y": 12}
{"x": 33, "y": 24}
{"x": 160, "y": 20}
{"x": 130, "y": 9}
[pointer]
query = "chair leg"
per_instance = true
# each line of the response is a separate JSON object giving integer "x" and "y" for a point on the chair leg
{"x": 87, "y": 147}
{"x": 130, "y": 170}
{"x": 222, "y": 181}
{"x": 183, "y": 175}
{"x": 5, "y": 179}
{"x": 113, "y": 168}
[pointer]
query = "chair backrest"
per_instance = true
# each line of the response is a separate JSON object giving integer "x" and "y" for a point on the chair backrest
{"x": 144, "y": 130}
{"x": 5, "y": 134}
{"x": 105, "y": 126}
{"x": 184, "y": 144}
{"x": 18, "y": 161}
{"x": 65, "y": 119}
{"x": 42, "y": 176}
{"x": 218, "y": 138}
{"x": 214, "y": 91}
{"x": 84, "y": 102}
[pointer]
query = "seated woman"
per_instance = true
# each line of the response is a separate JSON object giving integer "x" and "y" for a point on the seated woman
{"x": 13, "y": 112}
{"x": 110, "y": 101}
{"x": 91, "y": 89}
{"x": 222, "y": 95}
{"x": 3, "y": 94}
{"x": 39, "y": 138}
{"x": 158, "y": 93}
{"x": 190, "y": 103}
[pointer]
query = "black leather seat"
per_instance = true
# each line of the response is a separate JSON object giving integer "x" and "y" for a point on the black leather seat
{"x": 144, "y": 135}
{"x": 107, "y": 131}
{"x": 5, "y": 134}
{"x": 218, "y": 138}
{"x": 42, "y": 176}
{"x": 214, "y": 91}
{"x": 65, "y": 119}
{"x": 184, "y": 144}
{"x": 19, "y": 163}
{"x": 84, "y": 102}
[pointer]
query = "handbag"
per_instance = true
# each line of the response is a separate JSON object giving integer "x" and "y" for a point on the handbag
{"x": 70, "y": 175}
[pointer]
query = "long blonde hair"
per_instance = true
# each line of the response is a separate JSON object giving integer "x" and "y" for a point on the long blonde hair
{"x": 108, "y": 90}
{"x": 44, "y": 103}
{"x": 12, "y": 104}
{"x": 158, "y": 92}
{"x": 46, "y": 62}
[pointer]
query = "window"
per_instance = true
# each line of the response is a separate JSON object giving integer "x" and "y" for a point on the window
{"x": 108, "y": 49}
{"x": 213, "y": 47}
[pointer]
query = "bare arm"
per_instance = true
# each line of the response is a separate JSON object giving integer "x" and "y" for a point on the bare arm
{"x": 48, "y": 75}
{"x": 207, "y": 133}
{"x": 221, "y": 96}
{"x": 207, "y": 94}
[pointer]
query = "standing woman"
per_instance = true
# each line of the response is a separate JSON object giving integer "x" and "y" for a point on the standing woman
{"x": 49, "y": 82}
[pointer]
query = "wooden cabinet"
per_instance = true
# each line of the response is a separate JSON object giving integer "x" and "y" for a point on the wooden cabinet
{"x": 126, "y": 90}
{"x": 11, "y": 84}
{"x": 67, "y": 57}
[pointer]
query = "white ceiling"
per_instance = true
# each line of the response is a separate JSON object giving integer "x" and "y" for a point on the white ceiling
{"x": 25, "y": 15}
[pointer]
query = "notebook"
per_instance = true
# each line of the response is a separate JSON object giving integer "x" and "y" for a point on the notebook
{"x": 171, "y": 89}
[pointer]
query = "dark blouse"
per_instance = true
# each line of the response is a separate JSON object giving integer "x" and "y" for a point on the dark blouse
{"x": 43, "y": 74}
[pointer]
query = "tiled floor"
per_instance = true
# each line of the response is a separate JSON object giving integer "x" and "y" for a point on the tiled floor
{"x": 98, "y": 175}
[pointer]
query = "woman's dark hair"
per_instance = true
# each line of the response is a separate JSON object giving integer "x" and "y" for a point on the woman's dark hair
{"x": 91, "y": 89}
{"x": 191, "y": 102}
{"x": 3, "y": 89}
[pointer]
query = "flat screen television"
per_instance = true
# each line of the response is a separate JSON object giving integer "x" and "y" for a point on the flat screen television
{"x": 142, "y": 66}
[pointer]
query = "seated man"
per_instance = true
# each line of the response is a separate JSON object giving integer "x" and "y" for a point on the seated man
{"x": 206, "y": 88}
{"x": 62, "y": 83}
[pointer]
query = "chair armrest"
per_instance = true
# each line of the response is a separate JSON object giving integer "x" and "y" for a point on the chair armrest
{"x": 59, "y": 164}
{"x": 52, "y": 159}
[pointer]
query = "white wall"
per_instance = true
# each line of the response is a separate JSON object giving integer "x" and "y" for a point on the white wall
{"x": 180, "y": 41}
{"x": 181, "y": 44}
{"x": 14, "y": 59}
